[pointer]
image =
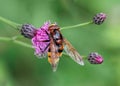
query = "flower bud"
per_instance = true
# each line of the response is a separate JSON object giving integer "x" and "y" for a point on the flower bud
{"x": 99, "y": 18}
{"x": 28, "y": 31}
{"x": 95, "y": 58}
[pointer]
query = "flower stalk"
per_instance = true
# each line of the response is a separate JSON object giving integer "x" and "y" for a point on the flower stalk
{"x": 10, "y": 23}
{"x": 97, "y": 19}
{"x": 16, "y": 25}
{"x": 78, "y": 25}
{"x": 7, "y": 39}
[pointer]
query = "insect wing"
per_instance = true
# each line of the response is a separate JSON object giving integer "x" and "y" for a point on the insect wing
{"x": 70, "y": 50}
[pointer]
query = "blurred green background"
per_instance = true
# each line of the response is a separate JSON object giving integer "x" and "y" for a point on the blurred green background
{"x": 19, "y": 66}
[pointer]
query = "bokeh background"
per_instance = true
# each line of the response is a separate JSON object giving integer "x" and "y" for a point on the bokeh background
{"x": 19, "y": 66}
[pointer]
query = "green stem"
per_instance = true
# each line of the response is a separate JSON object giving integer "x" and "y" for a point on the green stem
{"x": 15, "y": 41}
{"x": 12, "y": 24}
{"x": 84, "y": 57}
{"x": 23, "y": 44}
{"x": 78, "y": 25}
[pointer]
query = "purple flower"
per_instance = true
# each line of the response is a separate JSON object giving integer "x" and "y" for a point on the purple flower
{"x": 41, "y": 40}
{"x": 95, "y": 58}
{"x": 99, "y": 18}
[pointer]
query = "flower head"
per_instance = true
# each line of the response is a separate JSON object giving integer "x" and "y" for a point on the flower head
{"x": 99, "y": 18}
{"x": 41, "y": 40}
{"x": 28, "y": 31}
{"x": 95, "y": 58}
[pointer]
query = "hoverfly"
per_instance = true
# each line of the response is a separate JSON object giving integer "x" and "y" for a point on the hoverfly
{"x": 57, "y": 44}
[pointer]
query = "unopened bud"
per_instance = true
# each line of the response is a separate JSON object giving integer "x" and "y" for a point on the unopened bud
{"x": 95, "y": 58}
{"x": 28, "y": 31}
{"x": 99, "y": 18}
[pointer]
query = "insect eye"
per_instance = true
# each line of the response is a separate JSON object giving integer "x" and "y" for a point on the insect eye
{"x": 57, "y": 35}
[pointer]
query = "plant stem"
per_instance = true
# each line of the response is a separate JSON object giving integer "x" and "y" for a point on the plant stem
{"x": 23, "y": 44}
{"x": 12, "y": 24}
{"x": 84, "y": 57}
{"x": 78, "y": 25}
{"x": 16, "y": 42}
{"x": 13, "y": 39}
